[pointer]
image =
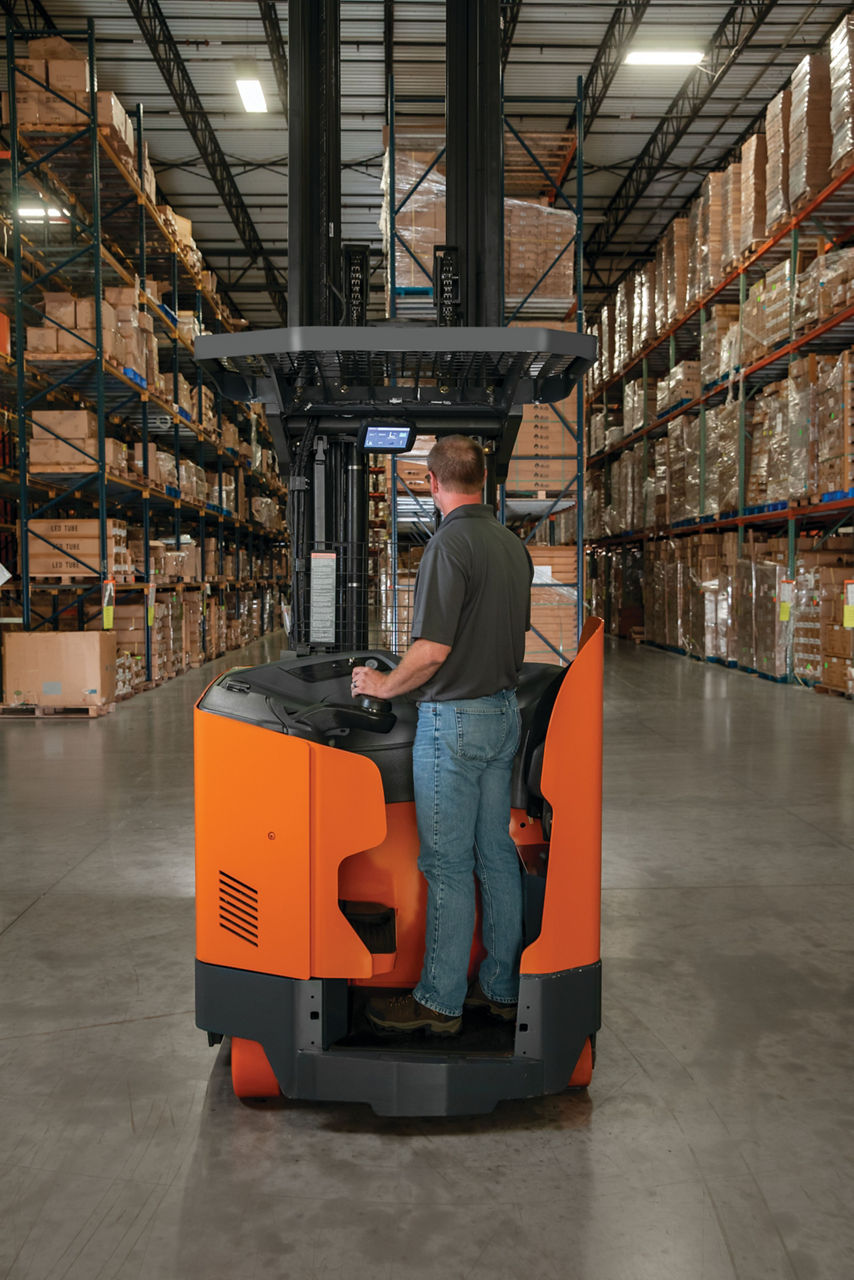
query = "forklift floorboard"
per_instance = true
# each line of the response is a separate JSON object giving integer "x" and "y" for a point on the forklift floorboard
{"x": 713, "y": 1142}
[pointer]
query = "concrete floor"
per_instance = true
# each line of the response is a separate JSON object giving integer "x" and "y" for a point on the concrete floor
{"x": 715, "y": 1141}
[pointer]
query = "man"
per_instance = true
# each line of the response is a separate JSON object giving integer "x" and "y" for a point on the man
{"x": 471, "y": 611}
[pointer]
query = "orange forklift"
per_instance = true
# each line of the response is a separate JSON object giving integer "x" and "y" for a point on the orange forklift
{"x": 309, "y": 899}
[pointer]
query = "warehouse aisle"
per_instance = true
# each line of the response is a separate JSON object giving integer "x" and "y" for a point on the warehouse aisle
{"x": 715, "y": 1141}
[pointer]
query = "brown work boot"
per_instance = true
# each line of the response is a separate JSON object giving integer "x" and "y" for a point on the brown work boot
{"x": 404, "y": 1013}
{"x": 477, "y": 999}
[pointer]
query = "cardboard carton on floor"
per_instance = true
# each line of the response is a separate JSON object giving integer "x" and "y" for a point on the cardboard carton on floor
{"x": 59, "y": 668}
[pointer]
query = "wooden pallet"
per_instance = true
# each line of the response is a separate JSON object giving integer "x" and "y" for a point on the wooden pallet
{"x": 29, "y": 712}
{"x": 828, "y": 689}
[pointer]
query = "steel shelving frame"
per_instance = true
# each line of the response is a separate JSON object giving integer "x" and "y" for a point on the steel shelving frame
{"x": 832, "y": 211}
{"x": 109, "y": 217}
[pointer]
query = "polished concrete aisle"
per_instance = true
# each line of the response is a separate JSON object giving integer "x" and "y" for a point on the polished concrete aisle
{"x": 715, "y": 1141}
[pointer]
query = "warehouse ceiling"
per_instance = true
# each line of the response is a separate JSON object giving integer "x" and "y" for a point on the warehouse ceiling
{"x": 650, "y": 134}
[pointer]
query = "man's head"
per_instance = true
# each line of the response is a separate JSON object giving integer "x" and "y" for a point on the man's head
{"x": 457, "y": 467}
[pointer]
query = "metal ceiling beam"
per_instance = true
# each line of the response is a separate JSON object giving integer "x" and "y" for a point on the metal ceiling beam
{"x": 155, "y": 30}
{"x": 610, "y": 55}
{"x": 276, "y": 45}
{"x": 28, "y": 15}
{"x": 739, "y": 26}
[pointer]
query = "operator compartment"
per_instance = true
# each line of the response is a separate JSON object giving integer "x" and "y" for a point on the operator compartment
{"x": 310, "y": 698}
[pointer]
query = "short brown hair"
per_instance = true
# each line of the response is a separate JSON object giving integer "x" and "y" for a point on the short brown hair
{"x": 458, "y": 464}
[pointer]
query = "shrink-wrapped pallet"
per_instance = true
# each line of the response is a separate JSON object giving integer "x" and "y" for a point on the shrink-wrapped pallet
{"x": 606, "y": 321}
{"x": 803, "y": 425}
{"x": 809, "y": 130}
{"x": 806, "y": 624}
{"x": 753, "y": 342}
{"x": 638, "y": 404}
{"x": 754, "y": 160}
{"x": 771, "y": 634}
{"x": 661, "y": 285}
{"x": 711, "y": 228}
{"x": 777, "y": 167}
{"x": 728, "y": 454}
{"x": 661, "y": 515}
{"x": 643, "y": 308}
{"x": 731, "y": 229}
{"x": 684, "y": 480}
{"x": 678, "y": 251}
{"x": 623, "y": 321}
{"x": 835, "y": 420}
{"x": 776, "y": 318}
{"x": 713, "y": 332}
{"x": 694, "y": 288}
{"x": 842, "y": 95}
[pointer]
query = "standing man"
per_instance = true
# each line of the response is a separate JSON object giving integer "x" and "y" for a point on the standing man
{"x": 471, "y": 612}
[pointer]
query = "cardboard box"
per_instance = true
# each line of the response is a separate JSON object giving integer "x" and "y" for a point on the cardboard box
{"x": 68, "y": 75}
{"x": 54, "y": 48}
{"x": 70, "y": 424}
{"x": 41, "y": 339}
{"x": 59, "y": 669}
{"x": 71, "y": 108}
{"x": 35, "y": 67}
{"x": 61, "y": 307}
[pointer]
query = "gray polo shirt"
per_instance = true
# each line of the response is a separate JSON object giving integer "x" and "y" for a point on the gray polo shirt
{"x": 473, "y": 592}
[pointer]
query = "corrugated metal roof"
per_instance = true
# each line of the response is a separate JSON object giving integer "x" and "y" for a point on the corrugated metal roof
{"x": 553, "y": 44}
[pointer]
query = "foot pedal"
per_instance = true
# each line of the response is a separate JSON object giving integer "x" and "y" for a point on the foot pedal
{"x": 374, "y": 923}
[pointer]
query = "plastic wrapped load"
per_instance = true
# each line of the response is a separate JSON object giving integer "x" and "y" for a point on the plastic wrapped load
{"x": 777, "y": 168}
{"x": 842, "y": 95}
{"x": 754, "y": 160}
{"x": 809, "y": 130}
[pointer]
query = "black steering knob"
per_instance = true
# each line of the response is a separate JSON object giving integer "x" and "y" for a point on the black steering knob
{"x": 376, "y": 706}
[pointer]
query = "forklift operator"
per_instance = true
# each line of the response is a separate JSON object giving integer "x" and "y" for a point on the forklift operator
{"x": 471, "y": 612}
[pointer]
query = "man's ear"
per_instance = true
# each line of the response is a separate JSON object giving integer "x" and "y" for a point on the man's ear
{"x": 434, "y": 484}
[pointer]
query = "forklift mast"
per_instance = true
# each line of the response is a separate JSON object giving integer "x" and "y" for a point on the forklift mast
{"x": 329, "y": 372}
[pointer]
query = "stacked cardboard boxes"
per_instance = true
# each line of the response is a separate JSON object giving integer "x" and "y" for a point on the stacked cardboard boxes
{"x": 777, "y": 169}
{"x": 754, "y": 162}
{"x": 708, "y": 247}
{"x": 554, "y": 605}
{"x": 71, "y": 549}
{"x": 731, "y": 228}
{"x": 66, "y": 440}
{"x": 678, "y": 387}
{"x": 842, "y": 96}
{"x": 715, "y": 345}
{"x": 809, "y": 130}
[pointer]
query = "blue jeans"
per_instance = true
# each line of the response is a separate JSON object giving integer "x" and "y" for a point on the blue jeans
{"x": 462, "y": 757}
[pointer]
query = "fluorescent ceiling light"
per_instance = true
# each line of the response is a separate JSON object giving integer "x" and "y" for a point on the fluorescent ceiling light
{"x": 31, "y": 213}
{"x": 664, "y": 58}
{"x": 252, "y": 95}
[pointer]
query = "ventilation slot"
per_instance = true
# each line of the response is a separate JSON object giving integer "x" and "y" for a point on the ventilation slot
{"x": 238, "y": 908}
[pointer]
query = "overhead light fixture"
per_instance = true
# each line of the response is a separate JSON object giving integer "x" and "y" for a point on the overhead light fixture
{"x": 31, "y": 213}
{"x": 249, "y": 88}
{"x": 664, "y": 58}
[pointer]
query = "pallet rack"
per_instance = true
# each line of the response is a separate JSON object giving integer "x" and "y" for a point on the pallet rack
{"x": 831, "y": 212}
{"x": 109, "y": 231}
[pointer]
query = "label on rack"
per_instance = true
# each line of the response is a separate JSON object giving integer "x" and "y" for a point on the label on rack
{"x": 848, "y": 603}
{"x": 150, "y": 597}
{"x": 787, "y": 599}
{"x": 108, "y": 602}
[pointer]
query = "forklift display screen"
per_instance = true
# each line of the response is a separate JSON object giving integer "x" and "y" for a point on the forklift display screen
{"x": 381, "y": 437}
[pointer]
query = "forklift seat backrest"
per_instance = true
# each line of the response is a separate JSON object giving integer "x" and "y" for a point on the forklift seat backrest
{"x": 536, "y": 694}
